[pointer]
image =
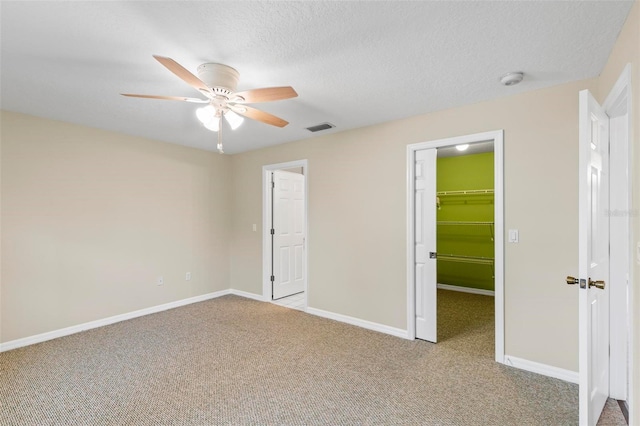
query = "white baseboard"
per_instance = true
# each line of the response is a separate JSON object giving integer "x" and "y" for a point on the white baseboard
{"x": 359, "y": 322}
{"x": 248, "y": 295}
{"x": 543, "y": 369}
{"x": 523, "y": 364}
{"x": 337, "y": 317}
{"x": 38, "y": 338}
{"x": 466, "y": 289}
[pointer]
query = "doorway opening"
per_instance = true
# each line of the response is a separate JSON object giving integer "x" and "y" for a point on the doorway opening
{"x": 465, "y": 223}
{"x": 470, "y": 237}
{"x": 284, "y": 213}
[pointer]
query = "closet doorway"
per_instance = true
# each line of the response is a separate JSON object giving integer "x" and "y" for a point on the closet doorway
{"x": 285, "y": 234}
{"x": 465, "y": 219}
{"x": 455, "y": 236}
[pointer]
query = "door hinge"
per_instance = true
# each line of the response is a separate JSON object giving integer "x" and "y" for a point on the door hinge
{"x": 273, "y": 184}
{"x": 273, "y": 278}
{"x": 273, "y": 231}
{"x": 433, "y": 255}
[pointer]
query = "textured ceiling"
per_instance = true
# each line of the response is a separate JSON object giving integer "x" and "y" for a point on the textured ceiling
{"x": 352, "y": 63}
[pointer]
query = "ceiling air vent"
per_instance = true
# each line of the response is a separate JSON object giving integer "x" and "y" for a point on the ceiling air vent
{"x": 320, "y": 127}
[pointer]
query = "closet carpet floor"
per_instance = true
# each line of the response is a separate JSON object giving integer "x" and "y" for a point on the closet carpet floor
{"x": 236, "y": 361}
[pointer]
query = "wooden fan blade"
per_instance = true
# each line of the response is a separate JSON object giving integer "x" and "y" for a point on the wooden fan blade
{"x": 258, "y": 115}
{"x": 267, "y": 94}
{"x": 183, "y": 73}
{"x": 169, "y": 98}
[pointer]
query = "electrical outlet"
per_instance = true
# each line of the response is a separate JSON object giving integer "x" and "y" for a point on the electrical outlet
{"x": 187, "y": 276}
{"x": 255, "y": 227}
{"x": 160, "y": 280}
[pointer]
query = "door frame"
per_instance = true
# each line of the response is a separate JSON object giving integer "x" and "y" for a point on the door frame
{"x": 617, "y": 104}
{"x": 497, "y": 136}
{"x": 266, "y": 225}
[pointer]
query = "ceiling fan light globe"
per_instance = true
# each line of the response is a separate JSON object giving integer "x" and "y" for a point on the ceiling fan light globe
{"x": 233, "y": 119}
{"x": 206, "y": 114}
{"x": 213, "y": 125}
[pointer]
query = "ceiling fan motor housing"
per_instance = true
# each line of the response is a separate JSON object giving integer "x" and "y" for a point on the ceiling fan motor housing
{"x": 221, "y": 78}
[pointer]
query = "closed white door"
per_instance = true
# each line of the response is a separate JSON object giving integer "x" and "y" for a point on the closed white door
{"x": 425, "y": 272}
{"x": 288, "y": 269}
{"x": 593, "y": 258}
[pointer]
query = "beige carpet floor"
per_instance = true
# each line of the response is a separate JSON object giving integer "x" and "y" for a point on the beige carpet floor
{"x": 235, "y": 361}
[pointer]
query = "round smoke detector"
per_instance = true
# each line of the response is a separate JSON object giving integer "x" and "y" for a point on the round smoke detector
{"x": 511, "y": 78}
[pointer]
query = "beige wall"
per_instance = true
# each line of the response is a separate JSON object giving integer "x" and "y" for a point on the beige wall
{"x": 91, "y": 218}
{"x": 627, "y": 50}
{"x": 357, "y": 216}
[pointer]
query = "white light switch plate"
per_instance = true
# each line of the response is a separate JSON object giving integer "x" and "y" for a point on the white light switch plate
{"x": 514, "y": 236}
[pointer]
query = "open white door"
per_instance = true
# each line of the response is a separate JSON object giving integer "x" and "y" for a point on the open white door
{"x": 425, "y": 245}
{"x": 593, "y": 257}
{"x": 288, "y": 231}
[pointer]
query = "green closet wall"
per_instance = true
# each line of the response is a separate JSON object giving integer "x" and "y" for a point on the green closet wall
{"x": 465, "y": 229}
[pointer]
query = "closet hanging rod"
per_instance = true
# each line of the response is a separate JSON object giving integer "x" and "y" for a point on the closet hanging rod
{"x": 466, "y": 192}
{"x": 466, "y": 259}
{"x": 476, "y": 260}
{"x": 463, "y": 222}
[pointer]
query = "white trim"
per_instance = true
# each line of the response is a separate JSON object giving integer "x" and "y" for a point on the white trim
{"x": 359, "y": 322}
{"x": 618, "y": 103}
{"x": 39, "y": 338}
{"x": 248, "y": 295}
{"x": 266, "y": 220}
{"x": 471, "y": 290}
{"x": 497, "y": 136}
{"x": 620, "y": 89}
{"x": 543, "y": 369}
{"x": 411, "y": 257}
{"x": 498, "y": 199}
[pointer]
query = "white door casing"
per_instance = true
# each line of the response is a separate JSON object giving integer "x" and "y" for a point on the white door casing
{"x": 425, "y": 244}
{"x": 618, "y": 107}
{"x": 593, "y": 258}
{"x": 288, "y": 273}
{"x": 497, "y": 136}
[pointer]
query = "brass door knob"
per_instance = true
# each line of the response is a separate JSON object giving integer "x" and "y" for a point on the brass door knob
{"x": 596, "y": 284}
{"x": 572, "y": 280}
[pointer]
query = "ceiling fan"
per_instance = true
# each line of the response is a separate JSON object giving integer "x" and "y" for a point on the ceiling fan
{"x": 218, "y": 82}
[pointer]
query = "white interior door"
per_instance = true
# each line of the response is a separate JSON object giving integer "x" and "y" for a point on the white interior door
{"x": 593, "y": 259}
{"x": 425, "y": 272}
{"x": 288, "y": 276}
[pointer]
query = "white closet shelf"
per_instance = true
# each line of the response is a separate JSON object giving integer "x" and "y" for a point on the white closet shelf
{"x": 467, "y": 223}
{"x": 476, "y": 260}
{"x": 466, "y": 259}
{"x": 466, "y": 192}
{"x": 463, "y": 222}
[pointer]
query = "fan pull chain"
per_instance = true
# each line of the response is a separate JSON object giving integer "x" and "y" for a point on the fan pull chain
{"x": 220, "y": 150}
